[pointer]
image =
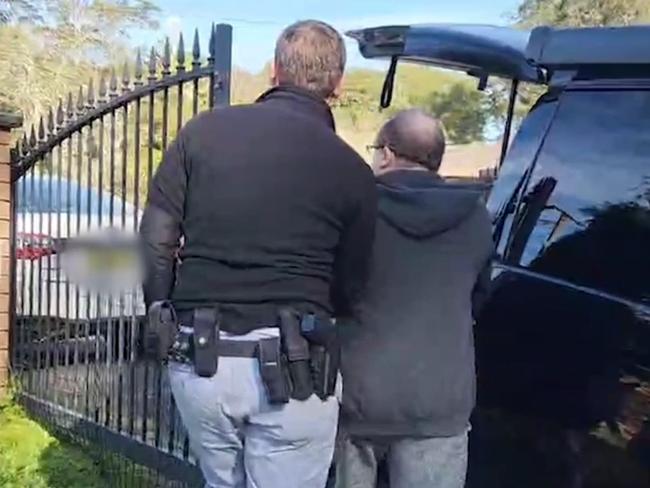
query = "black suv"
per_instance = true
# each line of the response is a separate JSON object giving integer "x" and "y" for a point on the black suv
{"x": 563, "y": 346}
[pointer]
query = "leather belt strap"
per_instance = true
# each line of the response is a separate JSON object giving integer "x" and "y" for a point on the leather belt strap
{"x": 238, "y": 349}
{"x": 227, "y": 347}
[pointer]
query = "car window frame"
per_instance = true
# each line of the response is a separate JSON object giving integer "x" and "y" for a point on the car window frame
{"x": 511, "y": 208}
{"x": 513, "y": 236}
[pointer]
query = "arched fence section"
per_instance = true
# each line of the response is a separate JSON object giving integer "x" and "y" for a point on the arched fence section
{"x": 84, "y": 170}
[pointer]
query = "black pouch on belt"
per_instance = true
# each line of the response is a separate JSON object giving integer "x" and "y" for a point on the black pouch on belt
{"x": 273, "y": 371}
{"x": 296, "y": 349}
{"x": 205, "y": 323}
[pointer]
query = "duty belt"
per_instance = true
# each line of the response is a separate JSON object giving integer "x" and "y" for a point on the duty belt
{"x": 182, "y": 350}
{"x": 302, "y": 361}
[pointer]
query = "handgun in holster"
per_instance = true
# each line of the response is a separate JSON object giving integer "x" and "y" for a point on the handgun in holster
{"x": 311, "y": 347}
{"x": 325, "y": 356}
{"x": 324, "y": 367}
{"x": 160, "y": 330}
{"x": 296, "y": 350}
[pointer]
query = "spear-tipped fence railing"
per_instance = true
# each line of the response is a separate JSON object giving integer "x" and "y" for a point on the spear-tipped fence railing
{"x": 86, "y": 165}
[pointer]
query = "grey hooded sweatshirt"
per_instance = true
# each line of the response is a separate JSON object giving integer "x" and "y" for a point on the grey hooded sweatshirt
{"x": 408, "y": 368}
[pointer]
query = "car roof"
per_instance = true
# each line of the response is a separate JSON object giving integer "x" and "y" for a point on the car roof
{"x": 484, "y": 50}
{"x": 593, "y": 46}
{"x": 477, "y": 49}
{"x": 54, "y": 191}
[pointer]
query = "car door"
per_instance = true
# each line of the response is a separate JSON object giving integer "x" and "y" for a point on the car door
{"x": 563, "y": 346}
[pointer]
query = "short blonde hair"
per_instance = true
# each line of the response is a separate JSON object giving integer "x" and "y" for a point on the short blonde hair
{"x": 310, "y": 54}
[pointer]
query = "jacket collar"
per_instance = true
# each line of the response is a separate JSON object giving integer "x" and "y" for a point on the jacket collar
{"x": 410, "y": 178}
{"x": 299, "y": 100}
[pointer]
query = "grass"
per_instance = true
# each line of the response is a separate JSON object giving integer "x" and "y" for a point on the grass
{"x": 31, "y": 458}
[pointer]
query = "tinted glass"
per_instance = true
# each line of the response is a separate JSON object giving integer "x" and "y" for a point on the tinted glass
{"x": 40, "y": 195}
{"x": 597, "y": 156}
{"x": 519, "y": 158}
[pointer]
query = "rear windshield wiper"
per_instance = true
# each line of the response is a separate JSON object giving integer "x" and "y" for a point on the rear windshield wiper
{"x": 535, "y": 203}
{"x": 507, "y": 208}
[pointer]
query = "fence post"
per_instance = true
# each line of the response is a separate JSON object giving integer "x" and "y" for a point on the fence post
{"x": 223, "y": 64}
{"x": 7, "y": 124}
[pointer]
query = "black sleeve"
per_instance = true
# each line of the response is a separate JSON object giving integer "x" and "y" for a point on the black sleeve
{"x": 352, "y": 261}
{"x": 167, "y": 190}
{"x": 161, "y": 225}
{"x": 483, "y": 240}
{"x": 482, "y": 288}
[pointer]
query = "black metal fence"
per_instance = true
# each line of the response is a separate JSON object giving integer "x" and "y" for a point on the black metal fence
{"x": 87, "y": 167}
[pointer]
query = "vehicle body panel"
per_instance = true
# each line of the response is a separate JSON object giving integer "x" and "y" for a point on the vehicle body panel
{"x": 476, "y": 49}
{"x": 564, "y": 343}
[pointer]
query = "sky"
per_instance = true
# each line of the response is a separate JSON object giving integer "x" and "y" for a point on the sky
{"x": 257, "y": 23}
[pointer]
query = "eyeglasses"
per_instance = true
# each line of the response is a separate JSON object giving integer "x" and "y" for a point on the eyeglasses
{"x": 371, "y": 148}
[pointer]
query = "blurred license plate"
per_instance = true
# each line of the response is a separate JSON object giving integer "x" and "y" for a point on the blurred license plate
{"x": 102, "y": 260}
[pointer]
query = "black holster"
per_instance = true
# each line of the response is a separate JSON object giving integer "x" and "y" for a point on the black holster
{"x": 311, "y": 349}
{"x": 161, "y": 327}
{"x": 325, "y": 355}
{"x": 324, "y": 367}
{"x": 296, "y": 350}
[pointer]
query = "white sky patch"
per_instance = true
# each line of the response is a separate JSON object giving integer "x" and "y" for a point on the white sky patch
{"x": 254, "y": 38}
{"x": 172, "y": 26}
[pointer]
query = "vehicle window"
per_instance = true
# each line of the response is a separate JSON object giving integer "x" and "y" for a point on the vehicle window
{"x": 588, "y": 198}
{"x": 39, "y": 195}
{"x": 519, "y": 158}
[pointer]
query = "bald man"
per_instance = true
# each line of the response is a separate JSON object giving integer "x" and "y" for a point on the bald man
{"x": 408, "y": 370}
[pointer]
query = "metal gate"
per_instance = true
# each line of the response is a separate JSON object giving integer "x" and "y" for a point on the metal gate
{"x": 87, "y": 167}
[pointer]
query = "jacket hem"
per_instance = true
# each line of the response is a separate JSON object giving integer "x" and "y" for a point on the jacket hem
{"x": 450, "y": 428}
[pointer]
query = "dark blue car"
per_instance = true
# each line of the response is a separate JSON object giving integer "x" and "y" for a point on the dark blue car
{"x": 563, "y": 346}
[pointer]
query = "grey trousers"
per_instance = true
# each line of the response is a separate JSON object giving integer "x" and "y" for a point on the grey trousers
{"x": 243, "y": 442}
{"x": 438, "y": 462}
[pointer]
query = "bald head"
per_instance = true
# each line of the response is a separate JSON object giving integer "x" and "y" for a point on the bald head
{"x": 415, "y": 137}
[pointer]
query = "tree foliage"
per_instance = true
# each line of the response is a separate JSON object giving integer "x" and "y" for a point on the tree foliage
{"x": 565, "y": 13}
{"x": 582, "y": 13}
{"x": 463, "y": 111}
{"x": 359, "y": 117}
{"x": 49, "y": 47}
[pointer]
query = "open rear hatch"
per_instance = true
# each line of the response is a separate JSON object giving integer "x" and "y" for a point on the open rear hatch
{"x": 478, "y": 50}
{"x": 545, "y": 56}
{"x": 484, "y": 51}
